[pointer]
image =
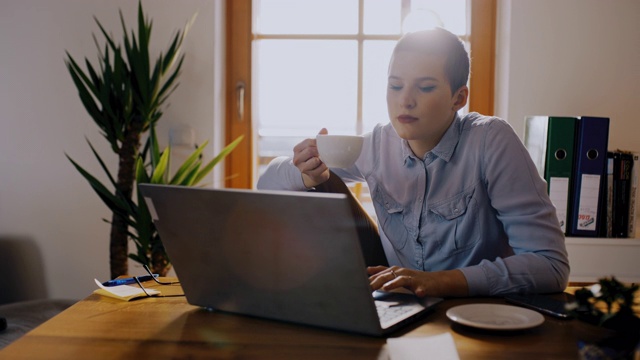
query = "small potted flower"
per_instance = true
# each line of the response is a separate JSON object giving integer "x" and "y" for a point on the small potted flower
{"x": 617, "y": 300}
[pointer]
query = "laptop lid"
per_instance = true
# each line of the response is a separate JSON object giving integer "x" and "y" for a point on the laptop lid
{"x": 289, "y": 256}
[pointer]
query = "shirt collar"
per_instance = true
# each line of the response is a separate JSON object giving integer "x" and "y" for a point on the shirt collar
{"x": 445, "y": 147}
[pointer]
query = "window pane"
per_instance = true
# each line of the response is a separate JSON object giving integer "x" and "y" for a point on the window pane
{"x": 450, "y": 14}
{"x": 306, "y": 16}
{"x": 382, "y": 17}
{"x": 303, "y": 86}
{"x": 375, "y": 72}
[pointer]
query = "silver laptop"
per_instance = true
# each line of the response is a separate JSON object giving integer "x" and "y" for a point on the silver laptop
{"x": 288, "y": 256}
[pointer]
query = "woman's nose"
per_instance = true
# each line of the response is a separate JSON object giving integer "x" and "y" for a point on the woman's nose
{"x": 407, "y": 100}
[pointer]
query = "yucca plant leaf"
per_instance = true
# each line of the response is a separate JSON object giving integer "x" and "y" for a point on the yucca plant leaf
{"x": 144, "y": 35}
{"x": 102, "y": 164}
{"x": 141, "y": 172}
{"x": 106, "y": 35}
{"x": 92, "y": 83}
{"x": 126, "y": 205}
{"x": 139, "y": 64}
{"x": 190, "y": 176}
{"x": 161, "y": 168}
{"x": 164, "y": 91}
{"x": 155, "y": 148}
{"x": 188, "y": 164}
{"x": 174, "y": 50}
{"x": 172, "y": 53}
{"x": 83, "y": 84}
{"x": 144, "y": 228}
{"x": 90, "y": 86}
{"x": 113, "y": 202}
{"x": 211, "y": 164}
{"x": 139, "y": 259}
{"x": 156, "y": 75}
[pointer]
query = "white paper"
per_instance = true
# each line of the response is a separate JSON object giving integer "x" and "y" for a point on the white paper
{"x": 125, "y": 290}
{"x": 559, "y": 195}
{"x": 588, "y": 203}
{"x": 441, "y": 347}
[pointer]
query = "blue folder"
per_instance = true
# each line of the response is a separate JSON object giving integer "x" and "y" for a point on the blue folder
{"x": 588, "y": 218}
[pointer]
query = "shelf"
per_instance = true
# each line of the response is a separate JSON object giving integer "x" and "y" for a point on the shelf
{"x": 593, "y": 258}
{"x": 603, "y": 241}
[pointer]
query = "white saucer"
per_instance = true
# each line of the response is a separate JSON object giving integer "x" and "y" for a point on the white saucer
{"x": 495, "y": 316}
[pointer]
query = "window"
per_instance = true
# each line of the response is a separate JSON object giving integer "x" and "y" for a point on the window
{"x": 322, "y": 63}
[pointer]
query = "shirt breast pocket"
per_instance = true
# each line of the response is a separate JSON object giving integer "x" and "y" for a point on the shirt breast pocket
{"x": 455, "y": 223}
{"x": 391, "y": 218}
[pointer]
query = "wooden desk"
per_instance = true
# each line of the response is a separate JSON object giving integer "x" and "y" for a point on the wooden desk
{"x": 158, "y": 328}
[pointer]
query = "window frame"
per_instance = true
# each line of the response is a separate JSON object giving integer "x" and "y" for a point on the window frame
{"x": 240, "y": 164}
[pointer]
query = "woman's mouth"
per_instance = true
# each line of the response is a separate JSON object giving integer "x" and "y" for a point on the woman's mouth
{"x": 405, "y": 119}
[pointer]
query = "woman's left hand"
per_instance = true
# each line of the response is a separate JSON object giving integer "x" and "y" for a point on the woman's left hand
{"x": 421, "y": 283}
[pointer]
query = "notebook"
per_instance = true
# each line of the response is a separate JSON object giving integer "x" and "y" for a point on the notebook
{"x": 286, "y": 256}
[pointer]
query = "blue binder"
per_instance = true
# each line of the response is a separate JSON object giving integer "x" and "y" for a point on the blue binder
{"x": 589, "y": 173}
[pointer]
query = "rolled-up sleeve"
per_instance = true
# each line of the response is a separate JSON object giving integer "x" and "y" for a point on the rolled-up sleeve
{"x": 281, "y": 174}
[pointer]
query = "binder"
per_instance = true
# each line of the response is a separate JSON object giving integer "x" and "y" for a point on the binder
{"x": 621, "y": 189}
{"x": 588, "y": 217}
{"x": 559, "y": 165}
{"x": 535, "y": 140}
{"x": 550, "y": 142}
{"x": 634, "y": 204}
{"x": 609, "y": 195}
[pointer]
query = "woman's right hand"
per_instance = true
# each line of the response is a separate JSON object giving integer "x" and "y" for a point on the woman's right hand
{"x": 307, "y": 159}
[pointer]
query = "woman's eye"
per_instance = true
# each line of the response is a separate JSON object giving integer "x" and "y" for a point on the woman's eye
{"x": 427, "y": 88}
{"x": 395, "y": 87}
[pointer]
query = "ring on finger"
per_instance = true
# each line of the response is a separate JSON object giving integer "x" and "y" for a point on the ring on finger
{"x": 394, "y": 274}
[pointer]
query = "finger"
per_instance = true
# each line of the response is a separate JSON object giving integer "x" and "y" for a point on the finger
{"x": 372, "y": 270}
{"x": 312, "y": 167}
{"x": 323, "y": 131}
{"x": 304, "y": 155}
{"x": 407, "y": 281}
{"x": 400, "y": 281}
{"x": 384, "y": 271}
{"x": 308, "y": 146}
{"x": 386, "y": 275}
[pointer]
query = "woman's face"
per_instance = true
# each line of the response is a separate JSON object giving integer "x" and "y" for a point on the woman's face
{"x": 421, "y": 106}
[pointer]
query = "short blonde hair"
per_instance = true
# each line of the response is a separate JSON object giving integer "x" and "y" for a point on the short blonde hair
{"x": 438, "y": 41}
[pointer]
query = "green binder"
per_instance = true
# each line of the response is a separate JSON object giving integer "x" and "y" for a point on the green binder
{"x": 550, "y": 142}
{"x": 559, "y": 164}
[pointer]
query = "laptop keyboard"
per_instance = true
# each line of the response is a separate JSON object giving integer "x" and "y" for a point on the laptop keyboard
{"x": 391, "y": 312}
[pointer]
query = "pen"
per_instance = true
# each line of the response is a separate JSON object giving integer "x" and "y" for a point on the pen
{"x": 127, "y": 281}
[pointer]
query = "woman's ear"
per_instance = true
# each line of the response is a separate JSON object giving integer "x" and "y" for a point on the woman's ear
{"x": 460, "y": 98}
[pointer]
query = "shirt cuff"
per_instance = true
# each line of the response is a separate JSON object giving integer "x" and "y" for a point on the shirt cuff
{"x": 476, "y": 280}
{"x": 281, "y": 174}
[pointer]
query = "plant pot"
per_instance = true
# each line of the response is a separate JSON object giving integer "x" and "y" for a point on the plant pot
{"x": 622, "y": 343}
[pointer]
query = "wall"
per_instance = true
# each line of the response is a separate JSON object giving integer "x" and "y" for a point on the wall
{"x": 43, "y": 199}
{"x": 570, "y": 57}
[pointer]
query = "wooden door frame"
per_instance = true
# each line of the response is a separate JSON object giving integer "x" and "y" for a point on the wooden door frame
{"x": 239, "y": 163}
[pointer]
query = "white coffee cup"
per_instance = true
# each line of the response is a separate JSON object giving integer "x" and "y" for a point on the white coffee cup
{"x": 339, "y": 151}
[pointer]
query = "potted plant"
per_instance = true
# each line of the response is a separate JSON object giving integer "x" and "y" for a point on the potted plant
{"x": 609, "y": 304}
{"x": 124, "y": 96}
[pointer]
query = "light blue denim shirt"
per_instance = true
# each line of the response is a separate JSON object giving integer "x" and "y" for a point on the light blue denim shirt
{"x": 475, "y": 202}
